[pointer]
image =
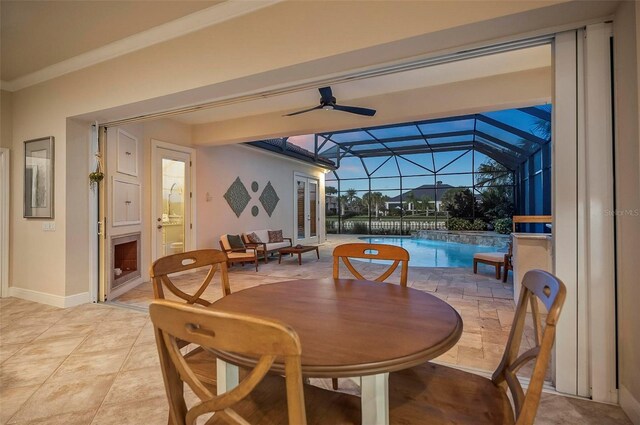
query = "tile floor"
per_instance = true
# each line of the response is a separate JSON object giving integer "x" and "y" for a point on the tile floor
{"x": 484, "y": 303}
{"x": 97, "y": 364}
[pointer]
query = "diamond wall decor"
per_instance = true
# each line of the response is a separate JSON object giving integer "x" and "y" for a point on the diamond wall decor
{"x": 269, "y": 199}
{"x": 237, "y": 197}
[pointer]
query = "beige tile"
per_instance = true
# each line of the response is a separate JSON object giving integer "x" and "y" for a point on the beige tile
{"x": 138, "y": 384}
{"x": 6, "y": 351}
{"x": 51, "y": 347}
{"x": 98, "y": 342}
{"x": 64, "y": 329}
{"x": 153, "y": 411}
{"x": 470, "y": 340}
{"x": 65, "y": 396}
{"x": 17, "y": 372}
{"x": 142, "y": 356}
{"x": 91, "y": 364}
{"x": 22, "y": 334}
{"x": 12, "y": 398}
{"x": 506, "y": 318}
{"x": 74, "y": 418}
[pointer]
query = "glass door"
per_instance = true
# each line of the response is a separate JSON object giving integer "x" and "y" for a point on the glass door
{"x": 172, "y": 202}
{"x": 306, "y": 210}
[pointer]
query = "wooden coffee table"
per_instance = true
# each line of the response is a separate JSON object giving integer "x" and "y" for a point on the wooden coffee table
{"x": 348, "y": 328}
{"x": 293, "y": 250}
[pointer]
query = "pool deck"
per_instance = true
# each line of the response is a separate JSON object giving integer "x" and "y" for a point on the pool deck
{"x": 485, "y": 303}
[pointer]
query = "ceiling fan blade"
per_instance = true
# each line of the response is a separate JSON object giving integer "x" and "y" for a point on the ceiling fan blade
{"x": 355, "y": 110}
{"x": 326, "y": 94}
{"x": 302, "y": 112}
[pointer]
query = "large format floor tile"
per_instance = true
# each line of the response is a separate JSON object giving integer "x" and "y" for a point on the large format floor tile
{"x": 98, "y": 364}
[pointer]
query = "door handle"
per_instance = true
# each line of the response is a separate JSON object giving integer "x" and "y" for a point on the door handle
{"x": 159, "y": 226}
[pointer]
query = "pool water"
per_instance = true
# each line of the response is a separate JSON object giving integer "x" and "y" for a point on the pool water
{"x": 430, "y": 253}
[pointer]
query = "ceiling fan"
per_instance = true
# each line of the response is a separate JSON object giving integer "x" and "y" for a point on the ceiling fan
{"x": 328, "y": 102}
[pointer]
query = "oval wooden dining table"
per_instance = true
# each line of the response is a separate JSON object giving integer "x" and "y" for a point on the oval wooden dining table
{"x": 349, "y": 328}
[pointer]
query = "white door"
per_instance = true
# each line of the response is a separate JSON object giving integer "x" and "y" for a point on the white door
{"x": 307, "y": 206}
{"x": 171, "y": 200}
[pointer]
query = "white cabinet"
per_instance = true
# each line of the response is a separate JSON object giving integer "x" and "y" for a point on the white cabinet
{"x": 126, "y": 202}
{"x": 127, "y": 153}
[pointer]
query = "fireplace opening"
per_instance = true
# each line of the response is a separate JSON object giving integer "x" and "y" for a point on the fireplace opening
{"x": 126, "y": 259}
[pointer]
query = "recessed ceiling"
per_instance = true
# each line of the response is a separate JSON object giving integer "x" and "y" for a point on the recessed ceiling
{"x": 349, "y": 92}
{"x": 37, "y": 34}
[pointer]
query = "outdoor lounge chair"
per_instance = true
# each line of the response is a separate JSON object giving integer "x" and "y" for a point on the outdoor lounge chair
{"x": 243, "y": 254}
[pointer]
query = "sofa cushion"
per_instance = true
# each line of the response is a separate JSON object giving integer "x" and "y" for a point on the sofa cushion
{"x": 275, "y": 245}
{"x": 254, "y": 238}
{"x": 275, "y": 236}
{"x": 263, "y": 234}
{"x": 235, "y": 242}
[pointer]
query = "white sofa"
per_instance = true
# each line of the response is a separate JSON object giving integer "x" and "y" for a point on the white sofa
{"x": 265, "y": 248}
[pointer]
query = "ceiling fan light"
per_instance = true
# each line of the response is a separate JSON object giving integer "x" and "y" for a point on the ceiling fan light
{"x": 328, "y": 107}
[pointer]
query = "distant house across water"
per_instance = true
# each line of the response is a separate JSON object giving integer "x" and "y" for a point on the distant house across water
{"x": 425, "y": 193}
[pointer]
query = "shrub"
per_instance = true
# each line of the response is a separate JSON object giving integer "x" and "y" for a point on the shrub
{"x": 503, "y": 226}
{"x": 478, "y": 225}
{"x": 458, "y": 224}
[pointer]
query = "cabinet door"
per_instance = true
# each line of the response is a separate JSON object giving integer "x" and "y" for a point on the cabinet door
{"x": 133, "y": 203}
{"x": 127, "y": 160}
{"x": 126, "y": 203}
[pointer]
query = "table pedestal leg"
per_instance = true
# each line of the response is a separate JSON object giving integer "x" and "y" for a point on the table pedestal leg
{"x": 227, "y": 376}
{"x": 375, "y": 399}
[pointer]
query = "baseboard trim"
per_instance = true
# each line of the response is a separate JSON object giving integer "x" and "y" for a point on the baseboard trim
{"x": 629, "y": 404}
{"x": 50, "y": 299}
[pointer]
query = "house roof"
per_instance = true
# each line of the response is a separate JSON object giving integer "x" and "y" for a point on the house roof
{"x": 281, "y": 146}
{"x": 433, "y": 191}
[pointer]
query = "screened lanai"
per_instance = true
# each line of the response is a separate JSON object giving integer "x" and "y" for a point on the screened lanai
{"x": 478, "y": 168}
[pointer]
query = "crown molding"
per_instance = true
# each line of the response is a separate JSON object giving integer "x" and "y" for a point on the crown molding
{"x": 196, "y": 21}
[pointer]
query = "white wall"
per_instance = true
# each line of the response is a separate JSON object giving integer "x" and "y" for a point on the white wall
{"x": 627, "y": 146}
{"x": 218, "y": 167}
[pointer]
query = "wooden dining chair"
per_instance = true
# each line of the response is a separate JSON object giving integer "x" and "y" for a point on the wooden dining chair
{"x": 371, "y": 251}
{"x": 442, "y": 395}
{"x": 259, "y": 398}
{"x": 211, "y": 261}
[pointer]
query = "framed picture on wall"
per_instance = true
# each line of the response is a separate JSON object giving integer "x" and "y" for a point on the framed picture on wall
{"x": 38, "y": 178}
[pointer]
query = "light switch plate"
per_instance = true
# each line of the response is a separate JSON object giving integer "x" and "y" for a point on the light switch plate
{"x": 49, "y": 226}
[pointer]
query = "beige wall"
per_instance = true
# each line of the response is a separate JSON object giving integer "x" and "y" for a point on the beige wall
{"x": 6, "y": 124}
{"x": 627, "y": 54}
{"x": 484, "y": 94}
{"x": 218, "y": 167}
{"x": 76, "y": 218}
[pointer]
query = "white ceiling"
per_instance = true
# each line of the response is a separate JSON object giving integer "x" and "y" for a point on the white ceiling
{"x": 348, "y": 93}
{"x": 38, "y": 34}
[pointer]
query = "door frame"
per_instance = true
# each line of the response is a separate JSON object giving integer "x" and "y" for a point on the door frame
{"x": 299, "y": 175}
{"x": 4, "y": 221}
{"x": 190, "y": 227}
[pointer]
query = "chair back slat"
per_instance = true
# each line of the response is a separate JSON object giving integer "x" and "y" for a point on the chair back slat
{"x": 238, "y": 333}
{"x": 162, "y": 268}
{"x": 369, "y": 251}
{"x": 536, "y": 285}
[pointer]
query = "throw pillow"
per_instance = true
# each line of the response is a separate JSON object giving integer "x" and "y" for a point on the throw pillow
{"x": 253, "y": 238}
{"x": 235, "y": 242}
{"x": 275, "y": 236}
